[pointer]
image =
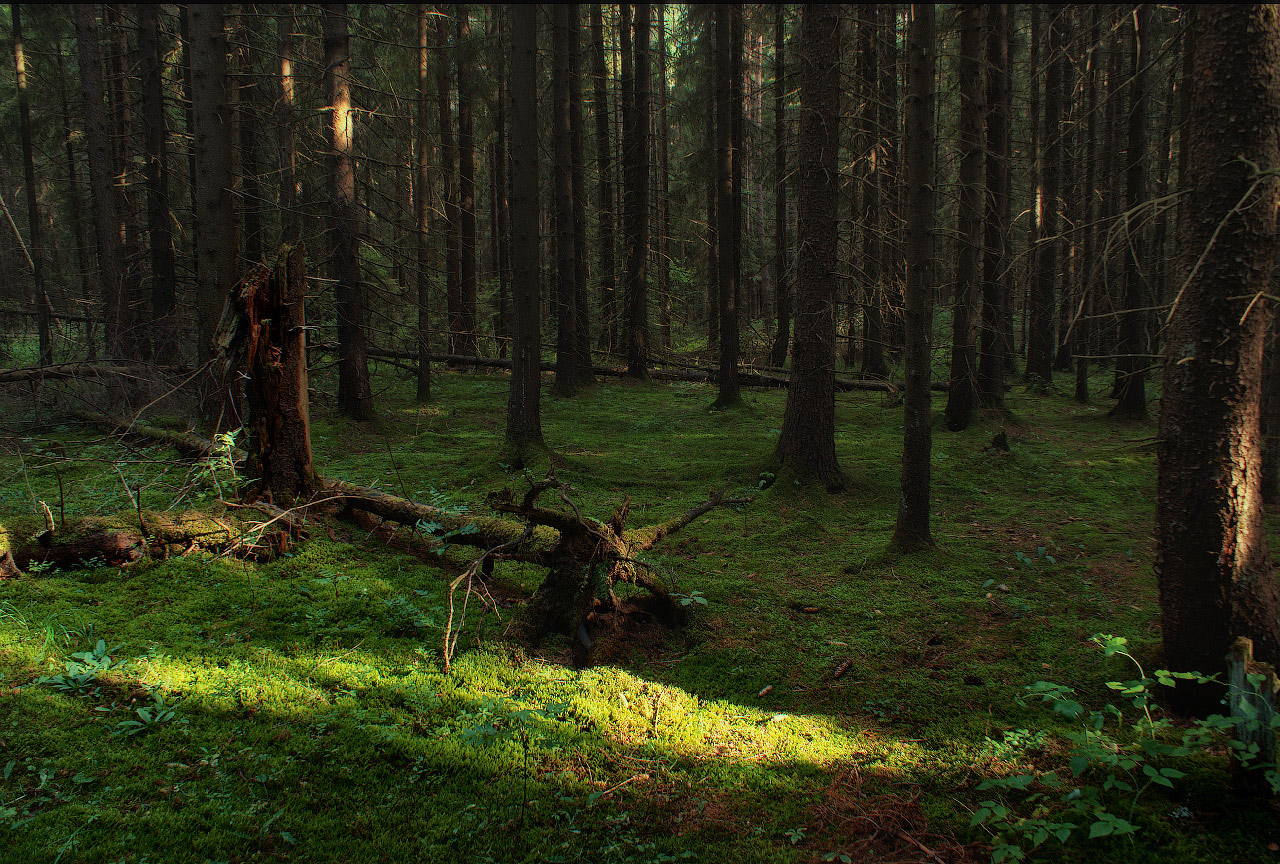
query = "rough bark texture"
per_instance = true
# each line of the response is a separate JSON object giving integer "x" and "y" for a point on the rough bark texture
{"x": 912, "y": 530}
{"x": 962, "y": 397}
{"x": 1212, "y": 560}
{"x": 995, "y": 309}
{"x": 524, "y": 421}
{"x": 807, "y": 445}
{"x": 355, "y": 399}
{"x": 781, "y": 276}
{"x": 636, "y": 203}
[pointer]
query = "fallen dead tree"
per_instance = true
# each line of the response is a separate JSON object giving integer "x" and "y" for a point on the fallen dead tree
{"x": 87, "y": 369}
{"x": 187, "y": 443}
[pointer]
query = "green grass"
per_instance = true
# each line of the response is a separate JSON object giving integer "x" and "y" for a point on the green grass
{"x": 315, "y": 721}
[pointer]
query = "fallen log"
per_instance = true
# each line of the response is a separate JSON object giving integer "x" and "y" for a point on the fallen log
{"x": 188, "y": 443}
{"x": 84, "y": 369}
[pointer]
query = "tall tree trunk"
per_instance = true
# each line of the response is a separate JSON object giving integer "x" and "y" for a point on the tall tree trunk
{"x": 87, "y": 283}
{"x": 290, "y": 223}
{"x": 501, "y": 190}
{"x": 807, "y": 445}
{"x": 215, "y": 223}
{"x": 467, "y": 297}
{"x": 247, "y": 117}
{"x": 566, "y": 381}
{"x": 604, "y": 166}
{"x": 636, "y": 206}
{"x": 44, "y": 311}
{"x": 962, "y": 395}
{"x": 1088, "y": 269}
{"x": 876, "y": 214}
{"x": 781, "y": 287}
{"x": 578, "y": 196}
{"x": 164, "y": 322}
{"x": 120, "y": 117}
{"x": 1040, "y": 341}
{"x": 354, "y": 396}
{"x": 422, "y": 208}
{"x": 664, "y": 189}
{"x": 912, "y": 530}
{"x": 1132, "y": 344}
{"x": 728, "y": 109}
{"x": 524, "y": 423}
{"x": 1212, "y": 560}
{"x": 1068, "y": 182}
{"x": 448, "y": 190}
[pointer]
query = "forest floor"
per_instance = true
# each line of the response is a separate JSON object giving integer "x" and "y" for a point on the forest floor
{"x": 826, "y": 702}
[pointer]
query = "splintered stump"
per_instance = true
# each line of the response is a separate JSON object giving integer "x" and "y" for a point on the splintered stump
{"x": 585, "y": 558}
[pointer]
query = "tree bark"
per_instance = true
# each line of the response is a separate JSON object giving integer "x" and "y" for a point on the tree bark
{"x": 1212, "y": 560}
{"x": 605, "y": 205}
{"x": 664, "y": 189}
{"x": 467, "y": 296}
{"x": 448, "y": 189}
{"x": 44, "y": 311}
{"x": 422, "y": 215}
{"x": 962, "y": 397}
{"x": 566, "y": 381}
{"x": 781, "y": 281}
{"x": 1084, "y": 325}
{"x": 1040, "y": 341}
{"x": 290, "y": 223}
{"x": 636, "y": 204}
{"x": 164, "y": 322}
{"x": 807, "y": 445}
{"x": 354, "y": 396}
{"x": 912, "y": 530}
{"x": 728, "y": 217}
{"x": 874, "y": 212}
{"x": 578, "y": 199}
{"x": 76, "y": 208}
{"x": 524, "y": 422}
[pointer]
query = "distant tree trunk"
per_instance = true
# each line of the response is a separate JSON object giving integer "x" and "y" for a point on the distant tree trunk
{"x": 247, "y": 117}
{"x": 566, "y": 381}
{"x": 728, "y": 61}
{"x": 422, "y": 207}
{"x": 637, "y": 203}
{"x": 500, "y": 185}
{"x": 1212, "y": 560}
{"x": 1084, "y": 323}
{"x": 1069, "y": 196}
{"x": 781, "y": 286}
{"x": 713, "y": 245}
{"x": 354, "y": 396}
{"x": 1040, "y": 341}
{"x": 448, "y": 191}
{"x": 290, "y": 224}
{"x": 912, "y": 530}
{"x": 77, "y": 209}
{"x": 578, "y": 196}
{"x": 962, "y": 395}
{"x": 467, "y": 313}
{"x": 163, "y": 277}
{"x": 524, "y": 423}
{"x": 120, "y": 116}
{"x": 44, "y": 312}
{"x": 188, "y": 85}
{"x": 875, "y": 213}
{"x": 664, "y": 189}
{"x": 807, "y": 445}
{"x": 1133, "y": 343}
{"x": 215, "y": 223}
{"x": 604, "y": 165}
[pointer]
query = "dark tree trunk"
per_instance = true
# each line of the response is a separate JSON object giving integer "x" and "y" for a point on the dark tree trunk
{"x": 120, "y": 116}
{"x": 290, "y": 223}
{"x": 875, "y": 213}
{"x": 1132, "y": 343}
{"x": 502, "y": 193}
{"x": 448, "y": 190}
{"x": 354, "y": 396}
{"x": 164, "y": 323}
{"x": 44, "y": 312}
{"x": 215, "y": 224}
{"x": 566, "y": 381}
{"x": 807, "y": 445}
{"x": 467, "y": 295}
{"x": 781, "y": 282}
{"x": 1269, "y": 484}
{"x": 87, "y": 281}
{"x": 1068, "y": 183}
{"x": 422, "y": 208}
{"x": 636, "y": 205}
{"x": 247, "y": 117}
{"x": 912, "y": 530}
{"x": 1212, "y": 559}
{"x": 524, "y": 423}
{"x": 97, "y": 139}
{"x": 1084, "y": 322}
{"x": 728, "y": 111}
{"x": 962, "y": 396}
{"x": 664, "y": 189}
{"x": 604, "y": 165}
{"x": 578, "y": 196}
{"x": 995, "y": 293}
{"x": 1040, "y": 341}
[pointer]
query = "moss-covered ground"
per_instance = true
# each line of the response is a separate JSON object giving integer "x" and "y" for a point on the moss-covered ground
{"x": 826, "y": 700}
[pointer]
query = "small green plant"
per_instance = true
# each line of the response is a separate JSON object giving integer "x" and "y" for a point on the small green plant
{"x": 842, "y": 857}
{"x": 220, "y": 464}
{"x": 691, "y": 598}
{"x": 159, "y": 713}
{"x": 82, "y": 671}
{"x": 795, "y": 835}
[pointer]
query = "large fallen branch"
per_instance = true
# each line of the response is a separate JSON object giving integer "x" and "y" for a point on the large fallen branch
{"x": 85, "y": 369}
{"x": 187, "y": 443}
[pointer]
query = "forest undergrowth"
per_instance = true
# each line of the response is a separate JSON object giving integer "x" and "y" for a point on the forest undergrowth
{"x": 826, "y": 701}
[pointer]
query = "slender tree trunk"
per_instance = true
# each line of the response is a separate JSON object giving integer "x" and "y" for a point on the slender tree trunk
{"x": 781, "y": 282}
{"x": 807, "y": 445}
{"x": 604, "y": 166}
{"x": 912, "y": 530}
{"x": 1212, "y": 560}
{"x": 467, "y": 297}
{"x": 962, "y": 395}
{"x": 1069, "y": 183}
{"x": 448, "y": 190}
{"x": 566, "y": 381}
{"x": 664, "y": 189}
{"x": 120, "y": 117}
{"x": 877, "y": 215}
{"x": 422, "y": 207}
{"x": 524, "y": 423}
{"x": 354, "y": 396}
{"x": 44, "y": 311}
{"x": 995, "y": 293}
{"x": 247, "y": 116}
{"x": 1040, "y": 341}
{"x": 163, "y": 276}
{"x": 637, "y": 203}
{"x": 501, "y": 190}
{"x": 728, "y": 61}
{"x": 87, "y": 283}
{"x": 578, "y": 197}
{"x": 1133, "y": 343}
{"x": 1088, "y": 268}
